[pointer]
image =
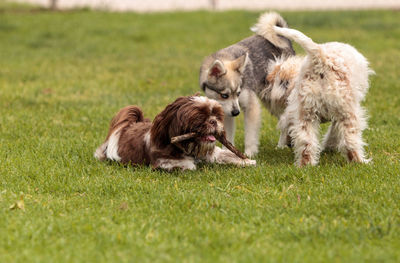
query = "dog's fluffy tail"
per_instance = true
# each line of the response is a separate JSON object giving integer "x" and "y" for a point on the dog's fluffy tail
{"x": 304, "y": 41}
{"x": 125, "y": 117}
{"x": 265, "y": 28}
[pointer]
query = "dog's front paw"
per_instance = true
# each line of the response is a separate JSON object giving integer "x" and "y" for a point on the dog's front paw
{"x": 369, "y": 160}
{"x": 281, "y": 146}
{"x": 249, "y": 162}
{"x": 366, "y": 161}
{"x": 251, "y": 151}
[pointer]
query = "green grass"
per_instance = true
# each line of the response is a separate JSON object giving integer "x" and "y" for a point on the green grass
{"x": 62, "y": 77}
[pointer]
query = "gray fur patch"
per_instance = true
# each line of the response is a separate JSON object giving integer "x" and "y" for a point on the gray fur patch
{"x": 260, "y": 51}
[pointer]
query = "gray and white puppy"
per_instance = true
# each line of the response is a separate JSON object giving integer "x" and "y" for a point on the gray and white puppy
{"x": 235, "y": 76}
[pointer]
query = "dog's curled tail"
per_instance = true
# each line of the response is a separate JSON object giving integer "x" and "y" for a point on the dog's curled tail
{"x": 265, "y": 28}
{"x": 304, "y": 41}
{"x": 125, "y": 117}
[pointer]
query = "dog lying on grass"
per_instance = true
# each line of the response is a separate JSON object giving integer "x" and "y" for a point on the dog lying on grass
{"x": 328, "y": 84}
{"x": 184, "y": 133}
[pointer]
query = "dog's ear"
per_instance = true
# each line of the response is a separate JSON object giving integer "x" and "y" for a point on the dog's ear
{"x": 164, "y": 124}
{"x": 240, "y": 63}
{"x": 217, "y": 69}
{"x": 273, "y": 71}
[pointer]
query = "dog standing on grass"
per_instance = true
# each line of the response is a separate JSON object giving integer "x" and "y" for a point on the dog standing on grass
{"x": 235, "y": 77}
{"x": 328, "y": 84}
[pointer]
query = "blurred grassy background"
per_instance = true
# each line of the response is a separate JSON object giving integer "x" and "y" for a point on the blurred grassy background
{"x": 64, "y": 74}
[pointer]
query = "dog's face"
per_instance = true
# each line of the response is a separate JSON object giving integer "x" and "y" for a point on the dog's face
{"x": 193, "y": 114}
{"x": 223, "y": 83}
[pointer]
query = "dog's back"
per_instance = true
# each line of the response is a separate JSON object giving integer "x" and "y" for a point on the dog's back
{"x": 126, "y": 140}
{"x": 260, "y": 48}
{"x": 352, "y": 63}
{"x": 341, "y": 58}
{"x": 260, "y": 51}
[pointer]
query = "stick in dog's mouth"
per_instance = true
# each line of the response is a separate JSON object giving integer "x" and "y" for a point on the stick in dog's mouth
{"x": 183, "y": 137}
{"x": 221, "y": 138}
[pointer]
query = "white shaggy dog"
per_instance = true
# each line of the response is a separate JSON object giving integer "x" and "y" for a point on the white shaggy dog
{"x": 328, "y": 84}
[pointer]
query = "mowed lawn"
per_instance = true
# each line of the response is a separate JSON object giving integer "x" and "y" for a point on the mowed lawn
{"x": 62, "y": 77}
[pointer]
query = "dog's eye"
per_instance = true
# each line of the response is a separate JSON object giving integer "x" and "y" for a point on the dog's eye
{"x": 224, "y": 96}
{"x": 238, "y": 94}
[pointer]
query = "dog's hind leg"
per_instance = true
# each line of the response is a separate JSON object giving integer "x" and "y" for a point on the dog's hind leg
{"x": 223, "y": 156}
{"x": 351, "y": 144}
{"x": 100, "y": 152}
{"x": 252, "y": 121}
{"x": 186, "y": 163}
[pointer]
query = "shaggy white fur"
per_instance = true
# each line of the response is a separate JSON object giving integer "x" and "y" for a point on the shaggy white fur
{"x": 329, "y": 85}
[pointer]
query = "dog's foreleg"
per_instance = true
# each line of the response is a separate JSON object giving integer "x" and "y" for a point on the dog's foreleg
{"x": 306, "y": 144}
{"x": 186, "y": 163}
{"x": 223, "y": 156}
{"x": 284, "y": 138}
{"x": 229, "y": 125}
{"x": 252, "y": 121}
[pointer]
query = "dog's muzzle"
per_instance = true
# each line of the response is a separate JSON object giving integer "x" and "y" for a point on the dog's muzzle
{"x": 235, "y": 112}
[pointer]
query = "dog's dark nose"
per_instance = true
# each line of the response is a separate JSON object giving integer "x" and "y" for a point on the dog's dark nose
{"x": 235, "y": 112}
{"x": 213, "y": 123}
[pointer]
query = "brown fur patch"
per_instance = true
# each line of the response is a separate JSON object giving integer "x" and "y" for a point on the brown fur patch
{"x": 133, "y": 127}
{"x": 129, "y": 114}
{"x": 305, "y": 158}
{"x": 271, "y": 76}
{"x": 353, "y": 156}
{"x": 288, "y": 73}
{"x": 132, "y": 144}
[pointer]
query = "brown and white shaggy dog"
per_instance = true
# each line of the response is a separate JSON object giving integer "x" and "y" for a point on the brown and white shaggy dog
{"x": 132, "y": 139}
